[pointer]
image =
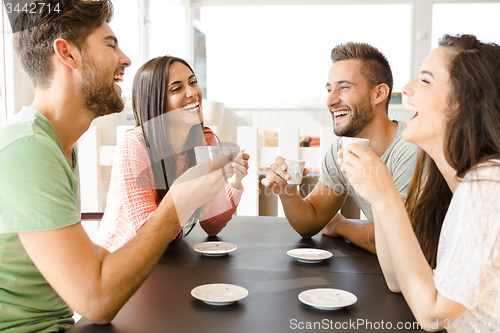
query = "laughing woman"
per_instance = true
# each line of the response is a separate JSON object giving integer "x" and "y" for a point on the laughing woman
{"x": 169, "y": 124}
{"x": 448, "y": 265}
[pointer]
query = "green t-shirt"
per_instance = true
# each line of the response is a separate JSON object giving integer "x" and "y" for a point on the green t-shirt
{"x": 39, "y": 190}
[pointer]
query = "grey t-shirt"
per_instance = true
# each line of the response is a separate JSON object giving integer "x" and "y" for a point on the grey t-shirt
{"x": 400, "y": 159}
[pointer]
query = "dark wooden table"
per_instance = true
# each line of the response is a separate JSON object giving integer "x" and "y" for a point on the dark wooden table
{"x": 274, "y": 281}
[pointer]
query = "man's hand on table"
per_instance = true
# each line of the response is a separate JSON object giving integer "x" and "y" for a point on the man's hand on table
{"x": 329, "y": 229}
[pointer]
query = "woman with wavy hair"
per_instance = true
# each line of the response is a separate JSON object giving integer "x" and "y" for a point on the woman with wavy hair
{"x": 167, "y": 104}
{"x": 446, "y": 261}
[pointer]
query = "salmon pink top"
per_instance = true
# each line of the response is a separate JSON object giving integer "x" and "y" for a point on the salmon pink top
{"x": 129, "y": 206}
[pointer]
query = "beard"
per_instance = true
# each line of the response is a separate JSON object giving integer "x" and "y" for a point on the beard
{"x": 359, "y": 120}
{"x": 99, "y": 96}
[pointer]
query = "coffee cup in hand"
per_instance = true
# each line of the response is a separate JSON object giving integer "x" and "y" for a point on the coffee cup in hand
{"x": 235, "y": 149}
{"x": 295, "y": 169}
{"x": 345, "y": 141}
{"x": 205, "y": 153}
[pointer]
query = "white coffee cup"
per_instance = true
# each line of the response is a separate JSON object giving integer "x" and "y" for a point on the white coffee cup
{"x": 295, "y": 169}
{"x": 235, "y": 150}
{"x": 345, "y": 141}
{"x": 204, "y": 153}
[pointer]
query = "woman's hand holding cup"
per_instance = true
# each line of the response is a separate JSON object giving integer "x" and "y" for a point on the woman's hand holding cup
{"x": 237, "y": 169}
{"x": 367, "y": 174}
{"x": 199, "y": 184}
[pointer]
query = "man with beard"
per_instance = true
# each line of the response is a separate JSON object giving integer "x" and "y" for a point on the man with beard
{"x": 359, "y": 89}
{"x": 48, "y": 265}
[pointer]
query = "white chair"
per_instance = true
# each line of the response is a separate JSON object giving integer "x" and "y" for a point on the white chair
{"x": 91, "y": 156}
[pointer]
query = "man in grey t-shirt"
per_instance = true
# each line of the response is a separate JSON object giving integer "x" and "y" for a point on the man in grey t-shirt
{"x": 359, "y": 89}
{"x": 399, "y": 159}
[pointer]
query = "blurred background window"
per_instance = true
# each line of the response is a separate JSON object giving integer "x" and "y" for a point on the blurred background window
{"x": 280, "y": 55}
{"x": 3, "y": 102}
{"x": 480, "y": 19}
{"x": 262, "y": 56}
{"x": 125, "y": 25}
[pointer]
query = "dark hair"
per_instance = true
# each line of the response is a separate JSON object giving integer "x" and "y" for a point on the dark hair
{"x": 472, "y": 134}
{"x": 74, "y": 22}
{"x": 375, "y": 67}
{"x": 149, "y": 101}
{"x": 427, "y": 204}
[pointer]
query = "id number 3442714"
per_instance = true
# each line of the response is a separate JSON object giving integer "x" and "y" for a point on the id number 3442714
{"x": 31, "y": 8}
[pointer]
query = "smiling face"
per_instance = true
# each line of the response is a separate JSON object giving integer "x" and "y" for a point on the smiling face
{"x": 103, "y": 66}
{"x": 428, "y": 98}
{"x": 184, "y": 96}
{"x": 348, "y": 98}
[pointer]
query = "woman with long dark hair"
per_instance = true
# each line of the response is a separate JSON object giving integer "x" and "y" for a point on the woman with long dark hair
{"x": 446, "y": 261}
{"x": 167, "y": 104}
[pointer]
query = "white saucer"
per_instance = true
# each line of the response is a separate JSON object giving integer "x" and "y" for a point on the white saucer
{"x": 327, "y": 298}
{"x": 309, "y": 256}
{"x": 219, "y": 293}
{"x": 214, "y": 249}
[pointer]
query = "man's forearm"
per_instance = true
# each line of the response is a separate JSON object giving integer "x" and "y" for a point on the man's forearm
{"x": 92, "y": 283}
{"x": 140, "y": 255}
{"x": 102, "y": 252}
{"x": 301, "y": 214}
{"x": 362, "y": 235}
